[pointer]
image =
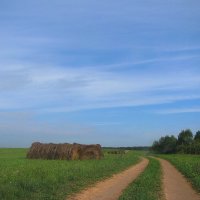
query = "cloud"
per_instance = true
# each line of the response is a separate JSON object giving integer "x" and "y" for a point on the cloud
{"x": 66, "y": 88}
{"x": 179, "y": 111}
{"x": 68, "y": 57}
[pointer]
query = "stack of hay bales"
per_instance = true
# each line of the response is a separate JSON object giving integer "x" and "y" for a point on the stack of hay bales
{"x": 64, "y": 151}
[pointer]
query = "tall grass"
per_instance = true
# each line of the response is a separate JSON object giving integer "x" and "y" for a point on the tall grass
{"x": 22, "y": 179}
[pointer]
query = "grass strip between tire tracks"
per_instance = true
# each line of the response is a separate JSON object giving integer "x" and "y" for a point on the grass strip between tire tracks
{"x": 148, "y": 186}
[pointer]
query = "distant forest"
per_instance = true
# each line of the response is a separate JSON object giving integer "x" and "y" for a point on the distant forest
{"x": 144, "y": 148}
{"x": 185, "y": 143}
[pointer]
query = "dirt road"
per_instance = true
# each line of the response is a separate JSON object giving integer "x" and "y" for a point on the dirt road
{"x": 175, "y": 185}
{"x": 111, "y": 188}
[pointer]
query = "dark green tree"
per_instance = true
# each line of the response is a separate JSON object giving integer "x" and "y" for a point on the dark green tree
{"x": 197, "y": 136}
{"x": 168, "y": 144}
{"x": 165, "y": 144}
{"x": 185, "y": 137}
{"x": 156, "y": 146}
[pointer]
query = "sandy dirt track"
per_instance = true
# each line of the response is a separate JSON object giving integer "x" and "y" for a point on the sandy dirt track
{"x": 175, "y": 185}
{"x": 111, "y": 188}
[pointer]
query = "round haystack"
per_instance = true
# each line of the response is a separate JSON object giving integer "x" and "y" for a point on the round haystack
{"x": 64, "y": 151}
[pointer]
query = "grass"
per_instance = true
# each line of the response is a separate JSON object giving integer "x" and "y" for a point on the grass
{"x": 188, "y": 165}
{"x": 53, "y": 179}
{"x": 147, "y": 186}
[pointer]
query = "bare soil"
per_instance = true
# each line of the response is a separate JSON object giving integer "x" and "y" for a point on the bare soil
{"x": 175, "y": 185}
{"x": 111, "y": 188}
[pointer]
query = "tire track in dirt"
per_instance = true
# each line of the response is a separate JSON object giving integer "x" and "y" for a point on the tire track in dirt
{"x": 111, "y": 188}
{"x": 175, "y": 185}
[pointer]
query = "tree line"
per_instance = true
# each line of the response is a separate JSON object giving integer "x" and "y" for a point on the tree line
{"x": 142, "y": 148}
{"x": 186, "y": 143}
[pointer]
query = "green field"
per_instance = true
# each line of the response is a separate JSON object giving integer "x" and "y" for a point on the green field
{"x": 53, "y": 179}
{"x": 147, "y": 186}
{"x": 56, "y": 179}
{"x": 188, "y": 165}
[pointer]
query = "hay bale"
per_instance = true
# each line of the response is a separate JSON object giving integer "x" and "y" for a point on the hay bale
{"x": 64, "y": 151}
{"x": 91, "y": 152}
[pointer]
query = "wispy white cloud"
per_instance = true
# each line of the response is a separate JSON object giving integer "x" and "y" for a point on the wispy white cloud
{"x": 28, "y": 81}
{"x": 179, "y": 110}
{"x": 138, "y": 63}
{"x": 64, "y": 56}
{"x": 65, "y": 88}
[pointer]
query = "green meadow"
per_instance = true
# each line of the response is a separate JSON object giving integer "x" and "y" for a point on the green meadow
{"x": 22, "y": 178}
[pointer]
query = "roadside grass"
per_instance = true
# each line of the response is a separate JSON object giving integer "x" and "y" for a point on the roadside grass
{"x": 148, "y": 186}
{"x": 22, "y": 179}
{"x": 188, "y": 165}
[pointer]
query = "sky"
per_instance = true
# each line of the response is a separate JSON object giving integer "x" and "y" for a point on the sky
{"x": 117, "y": 73}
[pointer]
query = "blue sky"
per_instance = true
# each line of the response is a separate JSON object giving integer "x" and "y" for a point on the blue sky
{"x": 118, "y": 73}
